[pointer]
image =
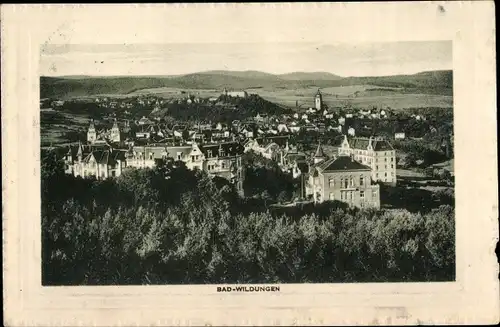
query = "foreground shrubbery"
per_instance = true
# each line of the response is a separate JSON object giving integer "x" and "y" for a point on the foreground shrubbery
{"x": 145, "y": 229}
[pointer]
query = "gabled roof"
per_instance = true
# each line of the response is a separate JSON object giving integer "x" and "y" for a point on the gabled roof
{"x": 342, "y": 163}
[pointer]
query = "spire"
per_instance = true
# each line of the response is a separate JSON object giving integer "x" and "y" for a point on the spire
{"x": 319, "y": 152}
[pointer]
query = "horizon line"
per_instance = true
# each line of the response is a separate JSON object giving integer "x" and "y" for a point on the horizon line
{"x": 243, "y": 71}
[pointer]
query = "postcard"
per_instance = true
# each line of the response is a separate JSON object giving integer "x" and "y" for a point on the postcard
{"x": 249, "y": 164}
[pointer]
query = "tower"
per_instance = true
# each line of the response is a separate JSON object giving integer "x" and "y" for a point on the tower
{"x": 318, "y": 100}
{"x": 91, "y": 133}
{"x": 319, "y": 156}
{"x": 115, "y": 132}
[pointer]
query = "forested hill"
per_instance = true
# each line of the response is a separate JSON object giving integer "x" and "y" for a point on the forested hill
{"x": 441, "y": 82}
{"x": 226, "y": 109}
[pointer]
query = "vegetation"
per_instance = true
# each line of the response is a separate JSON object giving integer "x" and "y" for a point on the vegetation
{"x": 225, "y": 110}
{"x": 170, "y": 225}
{"x": 438, "y": 82}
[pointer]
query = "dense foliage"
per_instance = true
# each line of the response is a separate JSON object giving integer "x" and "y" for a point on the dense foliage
{"x": 170, "y": 225}
{"x": 225, "y": 110}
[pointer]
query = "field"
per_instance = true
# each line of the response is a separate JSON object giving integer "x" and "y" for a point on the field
{"x": 57, "y": 128}
{"x": 171, "y": 92}
{"x": 363, "y": 96}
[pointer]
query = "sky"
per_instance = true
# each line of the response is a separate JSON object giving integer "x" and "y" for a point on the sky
{"x": 367, "y": 59}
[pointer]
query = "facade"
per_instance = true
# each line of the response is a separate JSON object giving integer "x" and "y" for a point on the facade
{"x": 114, "y": 134}
{"x": 318, "y": 100}
{"x": 235, "y": 94}
{"x": 399, "y": 136}
{"x": 343, "y": 179}
{"x": 222, "y": 159}
{"x": 98, "y": 161}
{"x": 91, "y": 133}
{"x": 376, "y": 153}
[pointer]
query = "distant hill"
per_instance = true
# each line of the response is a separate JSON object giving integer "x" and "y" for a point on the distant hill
{"x": 438, "y": 82}
{"x": 312, "y": 76}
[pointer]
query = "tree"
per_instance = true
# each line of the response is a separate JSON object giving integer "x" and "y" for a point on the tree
{"x": 283, "y": 197}
{"x": 185, "y": 134}
{"x": 265, "y": 196}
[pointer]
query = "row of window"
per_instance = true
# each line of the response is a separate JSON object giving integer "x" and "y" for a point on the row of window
{"x": 385, "y": 159}
{"x": 392, "y": 167}
{"x": 346, "y": 182}
{"x": 385, "y": 174}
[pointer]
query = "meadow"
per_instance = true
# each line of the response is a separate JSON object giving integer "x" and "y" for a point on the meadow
{"x": 361, "y": 96}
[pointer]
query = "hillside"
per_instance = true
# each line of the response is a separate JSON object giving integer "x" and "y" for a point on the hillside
{"x": 311, "y": 76}
{"x": 436, "y": 82}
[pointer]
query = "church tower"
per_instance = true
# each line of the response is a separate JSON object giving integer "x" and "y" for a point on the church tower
{"x": 318, "y": 101}
{"x": 91, "y": 133}
{"x": 115, "y": 132}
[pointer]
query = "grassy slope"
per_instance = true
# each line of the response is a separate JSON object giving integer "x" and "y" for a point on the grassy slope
{"x": 438, "y": 82}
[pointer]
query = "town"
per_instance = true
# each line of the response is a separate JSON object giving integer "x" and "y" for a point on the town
{"x": 244, "y": 184}
{"x": 349, "y": 173}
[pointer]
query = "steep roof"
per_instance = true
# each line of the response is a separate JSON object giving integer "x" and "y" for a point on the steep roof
{"x": 319, "y": 152}
{"x": 382, "y": 145}
{"x": 377, "y": 144}
{"x": 342, "y": 163}
{"x": 359, "y": 143}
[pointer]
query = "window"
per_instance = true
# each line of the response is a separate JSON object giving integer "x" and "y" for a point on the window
{"x": 209, "y": 153}
{"x": 392, "y": 159}
{"x": 346, "y": 183}
{"x": 332, "y": 197}
{"x": 385, "y": 159}
{"x": 385, "y": 174}
{"x": 331, "y": 182}
{"x": 376, "y": 167}
{"x": 392, "y": 166}
{"x": 376, "y": 175}
{"x": 150, "y": 156}
{"x": 385, "y": 166}
{"x": 179, "y": 155}
{"x": 352, "y": 181}
{"x": 362, "y": 194}
{"x": 223, "y": 165}
{"x": 113, "y": 173}
{"x": 361, "y": 181}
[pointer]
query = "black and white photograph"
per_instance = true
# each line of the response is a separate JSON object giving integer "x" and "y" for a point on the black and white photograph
{"x": 230, "y": 164}
{"x": 220, "y": 163}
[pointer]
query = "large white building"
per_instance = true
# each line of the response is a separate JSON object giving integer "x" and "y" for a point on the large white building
{"x": 374, "y": 152}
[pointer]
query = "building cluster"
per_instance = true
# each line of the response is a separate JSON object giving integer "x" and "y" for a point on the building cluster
{"x": 106, "y": 154}
{"x": 349, "y": 174}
